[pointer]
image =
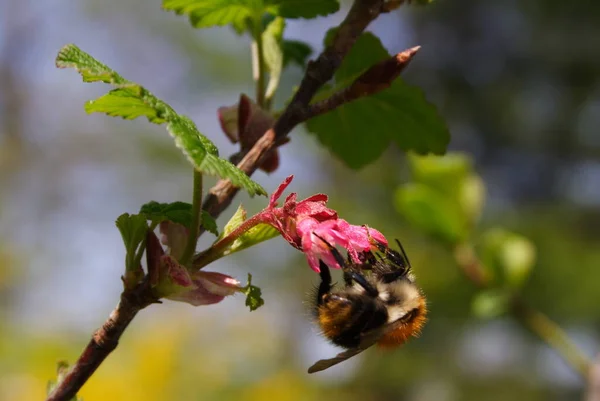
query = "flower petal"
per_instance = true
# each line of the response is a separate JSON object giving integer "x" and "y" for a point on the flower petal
{"x": 277, "y": 194}
{"x": 174, "y": 236}
{"x": 209, "y": 288}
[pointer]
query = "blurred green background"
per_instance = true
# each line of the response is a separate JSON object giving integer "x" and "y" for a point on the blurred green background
{"x": 519, "y": 86}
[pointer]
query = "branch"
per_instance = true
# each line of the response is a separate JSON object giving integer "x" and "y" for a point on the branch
{"x": 103, "y": 342}
{"x": 540, "y": 324}
{"x": 374, "y": 80}
{"x": 317, "y": 74}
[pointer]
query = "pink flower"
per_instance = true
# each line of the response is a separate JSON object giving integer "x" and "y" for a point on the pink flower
{"x": 208, "y": 288}
{"x": 302, "y": 223}
{"x": 169, "y": 279}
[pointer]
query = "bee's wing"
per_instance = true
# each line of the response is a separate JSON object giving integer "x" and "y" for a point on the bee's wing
{"x": 367, "y": 341}
{"x": 341, "y": 357}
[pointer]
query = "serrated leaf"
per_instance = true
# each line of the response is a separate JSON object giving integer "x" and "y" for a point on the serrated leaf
{"x": 131, "y": 100}
{"x": 70, "y": 56}
{"x": 432, "y": 211}
{"x": 133, "y": 231}
{"x": 124, "y": 103}
{"x": 253, "y": 295}
{"x": 491, "y": 303}
{"x": 359, "y": 131}
{"x": 295, "y": 51}
{"x": 192, "y": 143}
{"x": 209, "y": 223}
{"x": 177, "y": 212}
{"x": 207, "y": 13}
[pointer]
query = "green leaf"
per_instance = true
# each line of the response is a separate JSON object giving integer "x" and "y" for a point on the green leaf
{"x": 124, "y": 102}
{"x": 238, "y": 13}
{"x": 255, "y": 235}
{"x": 432, "y": 211}
{"x": 358, "y": 132}
{"x": 133, "y": 230}
{"x": 193, "y": 145}
{"x": 209, "y": 223}
{"x": 131, "y": 100}
{"x": 509, "y": 257}
{"x": 177, "y": 212}
{"x": 491, "y": 303}
{"x": 301, "y": 8}
{"x": 273, "y": 53}
{"x": 234, "y": 222}
{"x": 253, "y": 295}
{"x": 70, "y": 56}
{"x": 295, "y": 51}
{"x": 208, "y": 13}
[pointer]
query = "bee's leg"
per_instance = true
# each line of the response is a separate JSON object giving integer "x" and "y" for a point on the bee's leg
{"x": 363, "y": 282}
{"x": 325, "y": 286}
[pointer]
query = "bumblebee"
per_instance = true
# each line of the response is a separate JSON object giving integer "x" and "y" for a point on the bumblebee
{"x": 379, "y": 304}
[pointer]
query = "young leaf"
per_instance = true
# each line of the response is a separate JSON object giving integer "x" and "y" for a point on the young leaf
{"x": 253, "y": 295}
{"x": 255, "y": 235}
{"x": 131, "y": 100}
{"x": 207, "y": 13}
{"x": 133, "y": 230}
{"x": 432, "y": 211}
{"x": 295, "y": 51}
{"x": 273, "y": 53}
{"x": 234, "y": 222}
{"x": 359, "y": 131}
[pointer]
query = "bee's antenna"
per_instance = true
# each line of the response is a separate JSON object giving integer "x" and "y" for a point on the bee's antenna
{"x": 404, "y": 253}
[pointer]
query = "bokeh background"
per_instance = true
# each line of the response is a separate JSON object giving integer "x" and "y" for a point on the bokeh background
{"x": 518, "y": 84}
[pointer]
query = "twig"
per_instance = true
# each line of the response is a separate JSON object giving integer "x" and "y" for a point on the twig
{"x": 374, "y": 80}
{"x": 318, "y": 72}
{"x": 103, "y": 342}
{"x": 540, "y": 324}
